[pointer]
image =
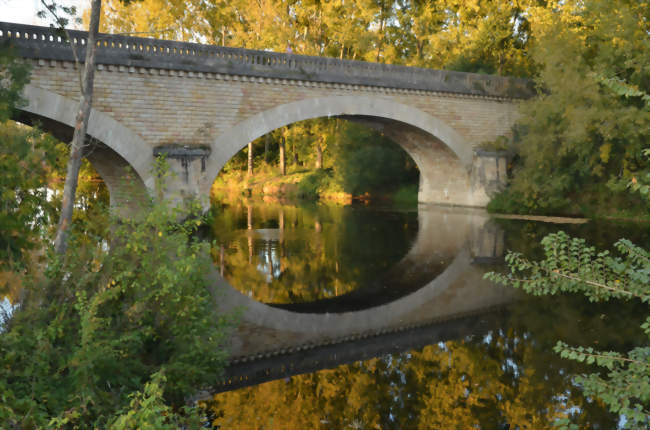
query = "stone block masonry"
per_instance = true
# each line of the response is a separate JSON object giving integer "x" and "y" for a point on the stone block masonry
{"x": 171, "y": 93}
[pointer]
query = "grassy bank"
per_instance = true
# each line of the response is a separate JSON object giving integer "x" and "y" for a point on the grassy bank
{"x": 303, "y": 184}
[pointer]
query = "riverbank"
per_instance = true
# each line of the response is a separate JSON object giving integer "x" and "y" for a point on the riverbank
{"x": 302, "y": 184}
{"x": 596, "y": 202}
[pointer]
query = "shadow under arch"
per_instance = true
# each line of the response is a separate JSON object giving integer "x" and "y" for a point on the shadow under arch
{"x": 460, "y": 236}
{"x": 118, "y": 153}
{"x": 407, "y": 120}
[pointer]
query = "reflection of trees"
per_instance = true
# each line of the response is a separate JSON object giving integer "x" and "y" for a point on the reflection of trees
{"x": 508, "y": 379}
{"x": 289, "y": 254}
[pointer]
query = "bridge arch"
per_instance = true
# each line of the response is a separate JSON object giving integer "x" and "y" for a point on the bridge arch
{"x": 404, "y": 124}
{"x": 120, "y": 150}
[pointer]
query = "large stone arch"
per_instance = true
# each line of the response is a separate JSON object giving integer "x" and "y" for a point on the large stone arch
{"x": 424, "y": 136}
{"x": 121, "y": 150}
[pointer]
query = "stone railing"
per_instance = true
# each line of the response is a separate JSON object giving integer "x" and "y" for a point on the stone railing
{"x": 49, "y": 44}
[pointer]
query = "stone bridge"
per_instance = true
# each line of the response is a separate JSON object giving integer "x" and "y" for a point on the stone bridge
{"x": 201, "y": 104}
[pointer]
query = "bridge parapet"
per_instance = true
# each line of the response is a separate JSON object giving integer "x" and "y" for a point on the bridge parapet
{"x": 49, "y": 44}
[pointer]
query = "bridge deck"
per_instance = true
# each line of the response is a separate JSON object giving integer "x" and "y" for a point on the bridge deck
{"x": 48, "y": 44}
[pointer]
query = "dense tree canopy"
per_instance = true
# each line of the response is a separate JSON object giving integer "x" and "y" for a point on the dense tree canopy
{"x": 474, "y": 35}
{"x": 591, "y": 122}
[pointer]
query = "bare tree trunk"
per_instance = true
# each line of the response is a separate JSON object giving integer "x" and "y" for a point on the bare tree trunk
{"x": 319, "y": 156}
{"x": 81, "y": 125}
{"x": 295, "y": 154}
{"x": 283, "y": 167}
{"x": 250, "y": 159}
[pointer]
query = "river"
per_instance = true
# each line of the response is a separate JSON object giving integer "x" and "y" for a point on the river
{"x": 442, "y": 347}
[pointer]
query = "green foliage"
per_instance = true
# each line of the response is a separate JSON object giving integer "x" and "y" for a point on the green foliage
{"x": 370, "y": 163}
{"x": 26, "y": 157}
{"x": 14, "y": 75}
{"x": 313, "y": 183}
{"x": 572, "y": 266}
{"x": 148, "y": 410}
{"x": 589, "y": 125}
{"x": 355, "y": 159}
{"x": 406, "y": 195}
{"x": 105, "y": 319}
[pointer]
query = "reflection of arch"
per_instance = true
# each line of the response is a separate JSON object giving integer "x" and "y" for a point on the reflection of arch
{"x": 237, "y": 137}
{"x": 121, "y": 147}
{"x": 457, "y": 290}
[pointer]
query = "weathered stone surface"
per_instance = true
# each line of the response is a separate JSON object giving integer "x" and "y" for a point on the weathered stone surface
{"x": 151, "y": 93}
{"x": 139, "y": 54}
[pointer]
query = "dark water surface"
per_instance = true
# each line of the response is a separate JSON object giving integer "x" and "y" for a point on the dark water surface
{"x": 473, "y": 356}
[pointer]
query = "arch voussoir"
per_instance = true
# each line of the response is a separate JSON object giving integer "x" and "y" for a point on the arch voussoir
{"x": 233, "y": 140}
{"x": 122, "y": 149}
{"x": 101, "y": 127}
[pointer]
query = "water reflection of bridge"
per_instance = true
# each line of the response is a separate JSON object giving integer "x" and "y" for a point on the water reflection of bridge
{"x": 447, "y": 260}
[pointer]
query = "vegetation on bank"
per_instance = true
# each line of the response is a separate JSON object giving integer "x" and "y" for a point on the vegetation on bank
{"x": 330, "y": 159}
{"x": 580, "y": 142}
{"x": 119, "y": 331}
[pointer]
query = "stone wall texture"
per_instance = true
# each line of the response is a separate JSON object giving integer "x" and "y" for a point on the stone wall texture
{"x": 170, "y": 104}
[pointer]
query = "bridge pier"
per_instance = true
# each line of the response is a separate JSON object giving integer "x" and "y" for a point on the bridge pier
{"x": 444, "y": 178}
{"x": 187, "y": 171}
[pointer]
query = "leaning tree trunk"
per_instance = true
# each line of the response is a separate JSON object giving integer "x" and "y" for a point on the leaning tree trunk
{"x": 79, "y": 137}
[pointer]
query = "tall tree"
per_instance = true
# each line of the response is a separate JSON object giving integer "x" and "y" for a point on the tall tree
{"x": 79, "y": 136}
{"x": 83, "y": 114}
{"x": 283, "y": 163}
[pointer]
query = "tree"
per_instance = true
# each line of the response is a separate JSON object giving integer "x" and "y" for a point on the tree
{"x": 249, "y": 171}
{"x": 584, "y": 133}
{"x": 81, "y": 123}
{"x": 282, "y": 161}
{"x": 81, "y": 119}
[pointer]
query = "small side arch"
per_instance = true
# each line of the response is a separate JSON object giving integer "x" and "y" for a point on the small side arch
{"x": 127, "y": 144}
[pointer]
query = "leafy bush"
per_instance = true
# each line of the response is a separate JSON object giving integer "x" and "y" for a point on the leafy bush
{"x": 107, "y": 318}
